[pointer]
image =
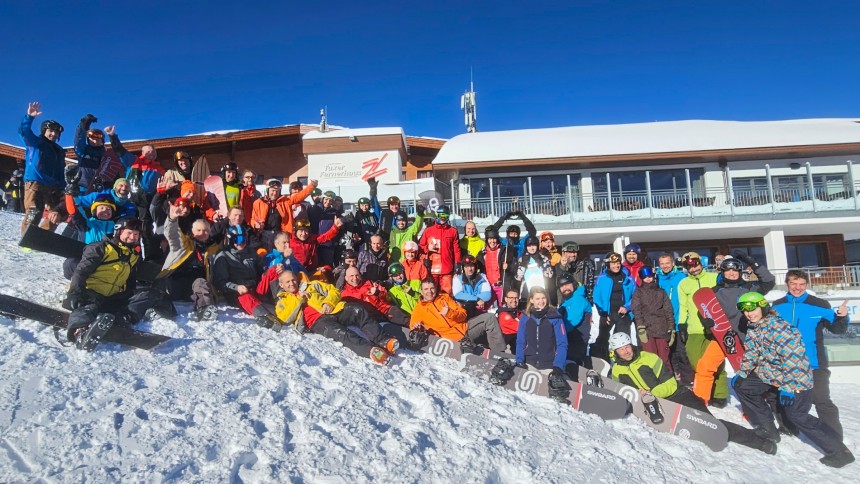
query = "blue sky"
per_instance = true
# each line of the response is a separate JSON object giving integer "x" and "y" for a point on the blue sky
{"x": 158, "y": 69}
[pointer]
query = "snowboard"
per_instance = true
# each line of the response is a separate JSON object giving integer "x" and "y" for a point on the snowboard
{"x": 42, "y": 240}
{"x": 215, "y": 190}
{"x": 124, "y": 335}
{"x": 108, "y": 171}
{"x": 199, "y": 172}
{"x": 729, "y": 340}
{"x": 678, "y": 419}
{"x": 602, "y": 402}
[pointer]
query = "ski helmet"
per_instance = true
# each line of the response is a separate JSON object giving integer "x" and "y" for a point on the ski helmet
{"x": 396, "y": 269}
{"x": 363, "y": 201}
{"x": 400, "y": 216}
{"x": 513, "y": 229}
{"x": 181, "y": 155}
{"x": 53, "y": 126}
{"x": 329, "y": 194}
{"x": 349, "y": 254}
{"x": 96, "y": 134}
{"x": 442, "y": 215}
{"x": 752, "y": 300}
{"x": 274, "y": 183}
{"x": 393, "y": 200}
{"x": 570, "y": 246}
{"x": 646, "y": 271}
{"x": 633, "y": 248}
{"x": 236, "y": 235}
{"x": 468, "y": 260}
{"x": 619, "y": 340}
{"x": 103, "y": 199}
{"x": 316, "y": 192}
{"x": 129, "y": 223}
{"x": 565, "y": 278}
{"x": 229, "y": 167}
{"x": 302, "y": 224}
{"x": 612, "y": 257}
{"x": 296, "y": 185}
{"x": 410, "y": 246}
{"x": 491, "y": 233}
{"x": 731, "y": 264}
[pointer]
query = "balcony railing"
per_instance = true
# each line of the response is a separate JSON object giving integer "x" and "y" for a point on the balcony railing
{"x": 659, "y": 204}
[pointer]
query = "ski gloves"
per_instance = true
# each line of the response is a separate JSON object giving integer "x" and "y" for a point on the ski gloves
{"x": 746, "y": 259}
{"x": 418, "y": 338}
{"x": 75, "y": 299}
{"x": 682, "y": 333}
{"x": 786, "y": 399}
{"x": 642, "y": 333}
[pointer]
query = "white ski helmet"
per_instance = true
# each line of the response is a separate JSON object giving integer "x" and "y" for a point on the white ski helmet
{"x": 618, "y": 340}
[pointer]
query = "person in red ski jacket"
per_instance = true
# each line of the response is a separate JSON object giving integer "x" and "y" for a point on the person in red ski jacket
{"x": 441, "y": 243}
{"x": 490, "y": 263}
{"x": 509, "y": 318}
{"x": 305, "y": 244}
{"x": 375, "y": 295}
{"x": 633, "y": 262}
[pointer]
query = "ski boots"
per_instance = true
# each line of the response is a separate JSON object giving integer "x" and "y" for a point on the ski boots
{"x": 90, "y": 338}
{"x": 269, "y": 321}
{"x": 392, "y": 345}
{"x": 379, "y": 355}
{"x": 207, "y": 313}
{"x": 838, "y": 459}
{"x": 718, "y": 402}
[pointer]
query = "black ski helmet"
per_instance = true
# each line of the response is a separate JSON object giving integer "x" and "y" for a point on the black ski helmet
{"x": 52, "y": 125}
{"x": 130, "y": 223}
{"x": 491, "y": 233}
{"x": 229, "y": 167}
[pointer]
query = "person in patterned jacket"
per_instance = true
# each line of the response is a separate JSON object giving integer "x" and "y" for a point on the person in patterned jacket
{"x": 775, "y": 357}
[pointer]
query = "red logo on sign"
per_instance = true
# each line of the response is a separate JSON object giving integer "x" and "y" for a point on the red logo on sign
{"x": 372, "y": 167}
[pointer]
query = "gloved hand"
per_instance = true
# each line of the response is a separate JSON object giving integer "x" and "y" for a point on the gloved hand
{"x": 747, "y": 259}
{"x": 75, "y": 299}
{"x": 458, "y": 268}
{"x": 708, "y": 325}
{"x": 428, "y": 264}
{"x": 420, "y": 210}
{"x": 642, "y": 333}
{"x": 73, "y": 189}
{"x": 98, "y": 184}
{"x": 735, "y": 381}
{"x": 682, "y": 333}
{"x": 72, "y": 174}
{"x": 418, "y": 338}
{"x": 671, "y": 338}
{"x": 89, "y": 119}
{"x": 786, "y": 399}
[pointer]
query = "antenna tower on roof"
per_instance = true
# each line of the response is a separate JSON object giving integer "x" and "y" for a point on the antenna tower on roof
{"x": 323, "y": 125}
{"x": 469, "y": 105}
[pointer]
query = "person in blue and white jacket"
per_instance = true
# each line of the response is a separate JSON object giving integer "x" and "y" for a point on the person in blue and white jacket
{"x": 811, "y": 316}
{"x": 471, "y": 289}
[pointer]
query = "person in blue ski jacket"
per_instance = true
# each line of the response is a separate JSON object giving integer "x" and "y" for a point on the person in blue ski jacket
{"x": 471, "y": 289}
{"x": 513, "y": 232}
{"x": 811, "y": 316}
{"x": 576, "y": 311}
{"x": 120, "y": 195}
{"x": 541, "y": 337}
{"x": 90, "y": 148}
{"x": 45, "y": 162}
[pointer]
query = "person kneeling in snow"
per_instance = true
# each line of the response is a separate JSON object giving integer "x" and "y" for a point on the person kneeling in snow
{"x": 102, "y": 290}
{"x": 646, "y": 371}
{"x": 316, "y": 306}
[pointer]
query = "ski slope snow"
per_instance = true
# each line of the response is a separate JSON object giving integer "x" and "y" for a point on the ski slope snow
{"x": 228, "y": 401}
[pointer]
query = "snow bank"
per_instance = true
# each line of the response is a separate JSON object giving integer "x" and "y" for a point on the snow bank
{"x": 231, "y": 401}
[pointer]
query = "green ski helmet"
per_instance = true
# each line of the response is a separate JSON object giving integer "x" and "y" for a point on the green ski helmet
{"x": 396, "y": 269}
{"x": 752, "y": 300}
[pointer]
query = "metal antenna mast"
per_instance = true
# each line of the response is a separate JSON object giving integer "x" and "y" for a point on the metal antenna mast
{"x": 323, "y": 125}
{"x": 469, "y": 105}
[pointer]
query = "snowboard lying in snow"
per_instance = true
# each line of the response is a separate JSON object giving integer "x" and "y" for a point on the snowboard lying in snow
{"x": 42, "y": 240}
{"x": 598, "y": 401}
{"x": 677, "y": 419}
{"x": 124, "y": 335}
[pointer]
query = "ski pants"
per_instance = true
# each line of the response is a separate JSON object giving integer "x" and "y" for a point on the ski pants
{"x": 444, "y": 282}
{"x": 487, "y": 325}
{"x": 127, "y": 307}
{"x": 38, "y": 197}
{"x": 680, "y": 362}
{"x": 827, "y": 411}
{"x": 708, "y": 360}
{"x": 577, "y": 343}
{"x": 660, "y": 347}
{"x": 751, "y": 392}
{"x": 737, "y": 433}
{"x": 620, "y": 323}
{"x": 336, "y": 326}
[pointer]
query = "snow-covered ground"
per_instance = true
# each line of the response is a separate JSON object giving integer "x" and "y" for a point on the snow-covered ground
{"x": 229, "y": 401}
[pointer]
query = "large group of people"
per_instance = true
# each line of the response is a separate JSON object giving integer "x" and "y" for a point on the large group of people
{"x": 298, "y": 260}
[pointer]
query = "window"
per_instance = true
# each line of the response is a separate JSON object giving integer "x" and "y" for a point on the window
{"x": 629, "y": 188}
{"x": 425, "y": 174}
{"x": 805, "y": 255}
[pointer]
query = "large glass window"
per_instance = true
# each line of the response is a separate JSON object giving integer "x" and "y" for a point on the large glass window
{"x": 805, "y": 255}
{"x": 629, "y": 188}
{"x": 790, "y": 188}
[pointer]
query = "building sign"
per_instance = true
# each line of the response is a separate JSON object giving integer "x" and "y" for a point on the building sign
{"x": 355, "y": 168}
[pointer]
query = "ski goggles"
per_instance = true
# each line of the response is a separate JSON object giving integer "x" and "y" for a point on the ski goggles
{"x": 612, "y": 258}
{"x": 183, "y": 202}
{"x": 751, "y": 305}
{"x": 692, "y": 262}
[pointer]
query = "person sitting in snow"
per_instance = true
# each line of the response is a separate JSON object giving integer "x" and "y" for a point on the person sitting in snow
{"x": 646, "y": 372}
{"x": 93, "y": 229}
{"x": 315, "y": 306}
{"x": 374, "y": 295}
{"x": 102, "y": 289}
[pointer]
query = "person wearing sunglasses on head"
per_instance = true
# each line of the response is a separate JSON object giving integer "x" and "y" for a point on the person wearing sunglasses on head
{"x": 692, "y": 332}
{"x": 776, "y": 359}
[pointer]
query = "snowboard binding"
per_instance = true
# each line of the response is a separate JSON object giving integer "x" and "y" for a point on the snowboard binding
{"x": 88, "y": 339}
{"x": 558, "y": 388}
{"x": 502, "y": 372}
{"x": 652, "y": 408}
{"x": 592, "y": 378}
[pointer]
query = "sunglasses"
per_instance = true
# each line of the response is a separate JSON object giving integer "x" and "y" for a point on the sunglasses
{"x": 275, "y": 185}
{"x": 548, "y": 238}
{"x": 750, "y": 305}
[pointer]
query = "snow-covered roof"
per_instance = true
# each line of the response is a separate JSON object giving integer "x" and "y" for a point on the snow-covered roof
{"x": 345, "y": 133}
{"x": 11, "y": 146}
{"x": 660, "y": 137}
